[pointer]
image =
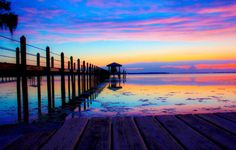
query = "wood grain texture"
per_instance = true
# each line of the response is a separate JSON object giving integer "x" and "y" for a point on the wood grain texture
{"x": 68, "y": 135}
{"x": 32, "y": 141}
{"x": 97, "y": 135}
{"x": 186, "y": 135}
{"x": 221, "y": 137}
{"x": 155, "y": 135}
{"x": 220, "y": 122}
{"x": 126, "y": 135}
{"x": 229, "y": 116}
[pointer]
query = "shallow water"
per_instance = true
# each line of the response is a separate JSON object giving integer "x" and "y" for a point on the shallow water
{"x": 137, "y": 95}
{"x": 166, "y": 94}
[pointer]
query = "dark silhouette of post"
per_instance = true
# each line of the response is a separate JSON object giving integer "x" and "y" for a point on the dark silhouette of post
{"x": 48, "y": 79}
{"x": 53, "y": 84}
{"x": 83, "y": 77}
{"x": 18, "y": 89}
{"x": 63, "y": 88}
{"x": 72, "y": 77}
{"x": 87, "y": 76}
{"x": 69, "y": 80}
{"x": 90, "y": 76}
{"x": 78, "y": 71}
{"x": 39, "y": 86}
{"x": 24, "y": 79}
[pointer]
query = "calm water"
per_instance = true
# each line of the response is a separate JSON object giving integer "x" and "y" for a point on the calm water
{"x": 138, "y": 95}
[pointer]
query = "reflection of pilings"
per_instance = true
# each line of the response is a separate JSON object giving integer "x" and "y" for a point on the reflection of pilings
{"x": 48, "y": 79}
{"x": 39, "y": 86}
{"x": 63, "y": 89}
{"x": 24, "y": 79}
{"x": 18, "y": 85}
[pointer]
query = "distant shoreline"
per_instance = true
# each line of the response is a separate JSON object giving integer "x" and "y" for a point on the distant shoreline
{"x": 182, "y": 73}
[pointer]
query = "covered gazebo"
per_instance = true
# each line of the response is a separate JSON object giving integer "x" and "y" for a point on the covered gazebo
{"x": 114, "y": 68}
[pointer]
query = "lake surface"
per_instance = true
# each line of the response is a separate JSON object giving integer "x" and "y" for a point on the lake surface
{"x": 137, "y": 95}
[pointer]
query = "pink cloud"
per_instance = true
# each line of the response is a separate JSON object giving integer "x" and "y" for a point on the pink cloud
{"x": 224, "y": 9}
{"x": 134, "y": 68}
{"x": 215, "y": 66}
{"x": 177, "y": 67}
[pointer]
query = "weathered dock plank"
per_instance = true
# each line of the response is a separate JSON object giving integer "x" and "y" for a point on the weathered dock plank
{"x": 189, "y": 138}
{"x": 220, "y": 122}
{"x": 32, "y": 141}
{"x": 126, "y": 135}
{"x": 97, "y": 135}
{"x": 68, "y": 135}
{"x": 155, "y": 135}
{"x": 219, "y": 136}
{"x": 229, "y": 116}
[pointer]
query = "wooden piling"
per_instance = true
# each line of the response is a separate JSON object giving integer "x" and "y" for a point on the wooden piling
{"x": 39, "y": 86}
{"x": 69, "y": 81}
{"x": 48, "y": 79}
{"x": 53, "y": 84}
{"x": 24, "y": 79}
{"x": 72, "y": 77}
{"x": 87, "y": 76}
{"x": 63, "y": 88}
{"x": 84, "y": 88}
{"x": 18, "y": 89}
{"x": 78, "y": 72}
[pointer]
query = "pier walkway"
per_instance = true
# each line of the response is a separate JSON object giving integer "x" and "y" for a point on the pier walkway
{"x": 202, "y": 131}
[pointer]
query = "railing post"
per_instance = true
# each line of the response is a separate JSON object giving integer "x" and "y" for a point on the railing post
{"x": 48, "y": 79}
{"x": 52, "y": 62}
{"x": 63, "y": 88}
{"x": 38, "y": 60}
{"x": 24, "y": 79}
{"x": 39, "y": 86}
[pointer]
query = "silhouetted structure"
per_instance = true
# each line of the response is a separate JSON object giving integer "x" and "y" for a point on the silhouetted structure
{"x": 24, "y": 67}
{"x": 114, "y": 69}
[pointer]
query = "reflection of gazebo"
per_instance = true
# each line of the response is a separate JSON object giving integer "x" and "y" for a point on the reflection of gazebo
{"x": 114, "y": 84}
{"x": 113, "y": 68}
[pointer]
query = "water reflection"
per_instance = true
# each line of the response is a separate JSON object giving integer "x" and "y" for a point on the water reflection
{"x": 166, "y": 94}
{"x": 136, "y": 95}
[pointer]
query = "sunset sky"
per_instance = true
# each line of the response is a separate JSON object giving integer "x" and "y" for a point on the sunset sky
{"x": 145, "y": 35}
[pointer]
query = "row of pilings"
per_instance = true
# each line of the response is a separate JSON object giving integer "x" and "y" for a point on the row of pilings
{"x": 86, "y": 75}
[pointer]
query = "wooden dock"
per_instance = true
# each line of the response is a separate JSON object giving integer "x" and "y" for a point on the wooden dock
{"x": 204, "y": 131}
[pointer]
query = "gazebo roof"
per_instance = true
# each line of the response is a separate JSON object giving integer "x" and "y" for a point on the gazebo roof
{"x": 114, "y": 64}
